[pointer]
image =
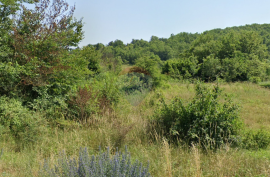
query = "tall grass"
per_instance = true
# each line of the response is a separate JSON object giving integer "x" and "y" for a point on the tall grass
{"x": 129, "y": 125}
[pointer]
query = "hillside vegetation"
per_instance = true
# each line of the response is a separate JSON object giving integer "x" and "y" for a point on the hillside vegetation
{"x": 189, "y": 105}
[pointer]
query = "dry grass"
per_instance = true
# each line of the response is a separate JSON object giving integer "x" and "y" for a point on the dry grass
{"x": 128, "y": 125}
{"x": 253, "y": 99}
{"x": 167, "y": 157}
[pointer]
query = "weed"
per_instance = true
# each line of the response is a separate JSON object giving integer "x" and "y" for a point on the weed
{"x": 96, "y": 166}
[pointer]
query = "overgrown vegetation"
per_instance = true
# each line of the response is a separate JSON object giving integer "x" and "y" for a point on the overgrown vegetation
{"x": 54, "y": 97}
{"x": 203, "y": 121}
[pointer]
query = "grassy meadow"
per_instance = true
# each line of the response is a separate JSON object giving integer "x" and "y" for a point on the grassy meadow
{"x": 129, "y": 125}
{"x": 57, "y": 97}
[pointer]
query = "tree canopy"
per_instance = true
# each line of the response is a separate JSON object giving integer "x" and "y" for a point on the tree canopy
{"x": 233, "y": 54}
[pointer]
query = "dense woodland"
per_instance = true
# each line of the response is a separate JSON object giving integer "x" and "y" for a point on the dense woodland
{"x": 48, "y": 83}
{"x": 233, "y": 54}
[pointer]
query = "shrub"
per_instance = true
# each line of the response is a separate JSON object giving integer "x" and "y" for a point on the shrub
{"x": 255, "y": 139}
{"x": 24, "y": 125}
{"x": 265, "y": 84}
{"x": 132, "y": 82}
{"x": 181, "y": 68}
{"x": 84, "y": 103}
{"x": 9, "y": 78}
{"x": 204, "y": 120}
{"x": 107, "y": 84}
{"x": 210, "y": 68}
{"x": 101, "y": 165}
{"x": 151, "y": 64}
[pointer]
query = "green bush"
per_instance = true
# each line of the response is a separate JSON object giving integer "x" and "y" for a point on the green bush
{"x": 9, "y": 78}
{"x": 83, "y": 104}
{"x": 255, "y": 139}
{"x": 152, "y": 64}
{"x": 132, "y": 82}
{"x": 24, "y": 125}
{"x": 181, "y": 68}
{"x": 107, "y": 84}
{"x": 211, "y": 68}
{"x": 265, "y": 84}
{"x": 205, "y": 120}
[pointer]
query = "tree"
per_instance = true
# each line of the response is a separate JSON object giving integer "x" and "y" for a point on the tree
{"x": 7, "y": 8}
{"x": 117, "y": 43}
{"x": 36, "y": 48}
{"x": 41, "y": 36}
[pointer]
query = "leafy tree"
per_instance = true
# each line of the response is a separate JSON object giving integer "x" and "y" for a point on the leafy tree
{"x": 185, "y": 68}
{"x": 40, "y": 38}
{"x": 150, "y": 64}
{"x": 210, "y": 68}
{"x": 91, "y": 56}
{"x": 117, "y": 43}
{"x": 212, "y": 53}
{"x": 7, "y": 8}
{"x": 140, "y": 43}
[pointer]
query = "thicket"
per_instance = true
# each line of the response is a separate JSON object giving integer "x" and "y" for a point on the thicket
{"x": 204, "y": 120}
{"x": 42, "y": 77}
{"x": 25, "y": 126}
{"x": 232, "y": 54}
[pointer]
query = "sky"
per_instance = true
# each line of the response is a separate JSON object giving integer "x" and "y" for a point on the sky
{"x": 108, "y": 20}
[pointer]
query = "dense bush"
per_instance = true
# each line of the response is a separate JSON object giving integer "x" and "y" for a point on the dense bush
{"x": 24, "y": 125}
{"x": 181, "y": 68}
{"x": 134, "y": 81}
{"x": 103, "y": 164}
{"x": 204, "y": 120}
{"x": 107, "y": 84}
{"x": 9, "y": 78}
{"x": 254, "y": 139}
{"x": 83, "y": 104}
{"x": 152, "y": 64}
{"x": 265, "y": 84}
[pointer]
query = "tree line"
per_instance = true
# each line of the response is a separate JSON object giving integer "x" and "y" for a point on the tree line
{"x": 233, "y": 54}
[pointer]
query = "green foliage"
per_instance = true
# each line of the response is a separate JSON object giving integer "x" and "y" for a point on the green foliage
{"x": 135, "y": 86}
{"x": 117, "y": 43}
{"x": 233, "y": 54}
{"x": 108, "y": 58}
{"x": 181, "y": 69}
{"x": 204, "y": 120}
{"x": 24, "y": 125}
{"x": 108, "y": 87}
{"x": 265, "y": 84}
{"x": 234, "y": 69}
{"x": 255, "y": 139}
{"x": 36, "y": 48}
{"x": 152, "y": 64}
{"x": 210, "y": 68}
{"x": 9, "y": 78}
{"x": 83, "y": 104}
{"x": 134, "y": 81}
{"x": 61, "y": 101}
{"x": 86, "y": 58}
{"x": 7, "y": 9}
